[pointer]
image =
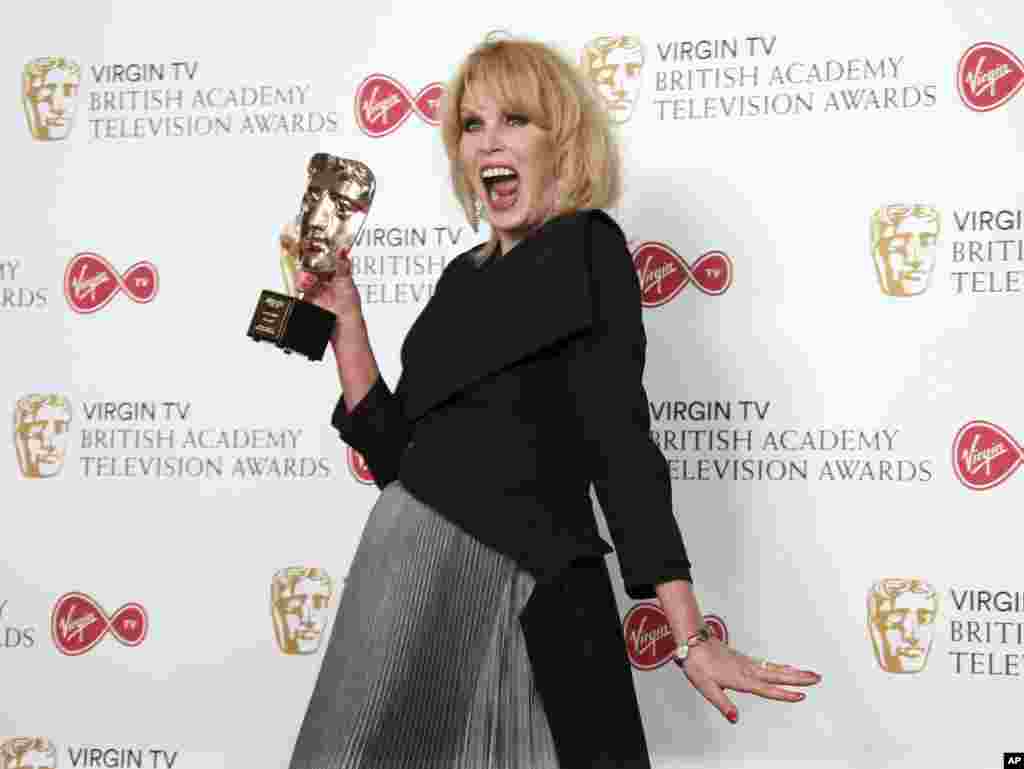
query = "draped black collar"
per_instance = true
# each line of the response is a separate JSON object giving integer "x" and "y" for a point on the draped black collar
{"x": 480, "y": 321}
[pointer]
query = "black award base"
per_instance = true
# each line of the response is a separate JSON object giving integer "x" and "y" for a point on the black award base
{"x": 292, "y": 324}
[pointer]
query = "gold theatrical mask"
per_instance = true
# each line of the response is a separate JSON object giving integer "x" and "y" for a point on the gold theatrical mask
{"x": 901, "y": 620}
{"x": 904, "y": 243}
{"x": 41, "y": 434}
{"x": 615, "y": 66}
{"x": 338, "y": 196}
{"x": 300, "y": 602}
{"x": 50, "y": 88}
{"x": 334, "y": 206}
{"x": 28, "y": 753}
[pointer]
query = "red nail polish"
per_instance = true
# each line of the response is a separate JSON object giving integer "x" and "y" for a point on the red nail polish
{"x": 733, "y": 716}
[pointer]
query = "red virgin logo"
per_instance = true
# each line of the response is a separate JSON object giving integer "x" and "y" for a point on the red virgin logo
{"x": 663, "y": 273}
{"x": 91, "y": 282}
{"x": 984, "y": 455}
{"x": 988, "y": 76}
{"x": 649, "y": 640}
{"x": 78, "y": 623}
{"x": 358, "y": 467}
{"x": 383, "y": 104}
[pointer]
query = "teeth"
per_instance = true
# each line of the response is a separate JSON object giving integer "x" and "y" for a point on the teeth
{"x": 490, "y": 173}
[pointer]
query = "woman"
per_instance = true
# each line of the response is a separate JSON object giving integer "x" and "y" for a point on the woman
{"x": 478, "y": 627}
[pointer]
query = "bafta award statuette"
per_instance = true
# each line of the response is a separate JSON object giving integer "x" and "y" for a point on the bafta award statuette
{"x": 338, "y": 195}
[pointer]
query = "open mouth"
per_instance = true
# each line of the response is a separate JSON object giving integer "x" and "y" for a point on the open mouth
{"x": 502, "y": 185}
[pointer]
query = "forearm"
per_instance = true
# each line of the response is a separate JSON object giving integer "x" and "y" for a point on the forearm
{"x": 357, "y": 366}
{"x": 679, "y": 603}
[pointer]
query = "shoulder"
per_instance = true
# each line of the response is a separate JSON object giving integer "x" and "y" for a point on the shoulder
{"x": 592, "y": 226}
{"x": 606, "y": 252}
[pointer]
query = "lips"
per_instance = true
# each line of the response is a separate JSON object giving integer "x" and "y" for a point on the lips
{"x": 319, "y": 245}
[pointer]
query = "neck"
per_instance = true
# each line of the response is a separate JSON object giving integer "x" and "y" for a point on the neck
{"x": 507, "y": 243}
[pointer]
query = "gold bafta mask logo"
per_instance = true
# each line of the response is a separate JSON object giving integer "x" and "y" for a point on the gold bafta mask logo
{"x": 615, "y": 65}
{"x": 27, "y": 753}
{"x": 901, "y": 620}
{"x": 337, "y": 198}
{"x": 41, "y": 434}
{"x": 904, "y": 243}
{"x": 50, "y": 88}
{"x": 300, "y": 598}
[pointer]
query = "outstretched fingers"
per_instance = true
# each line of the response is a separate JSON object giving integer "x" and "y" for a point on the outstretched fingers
{"x": 767, "y": 679}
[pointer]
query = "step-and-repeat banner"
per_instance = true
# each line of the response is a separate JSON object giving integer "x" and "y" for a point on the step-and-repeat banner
{"x": 826, "y": 216}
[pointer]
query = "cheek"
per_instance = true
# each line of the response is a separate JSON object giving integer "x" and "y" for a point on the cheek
{"x": 542, "y": 168}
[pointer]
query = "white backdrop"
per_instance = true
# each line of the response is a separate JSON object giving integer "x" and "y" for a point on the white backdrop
{"x": 804, "y": 330}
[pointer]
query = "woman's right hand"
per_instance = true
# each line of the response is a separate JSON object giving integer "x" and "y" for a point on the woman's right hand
{"x": 335, "y": 293}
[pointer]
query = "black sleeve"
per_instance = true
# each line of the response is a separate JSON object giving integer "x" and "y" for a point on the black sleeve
{"x": 628, "y": 470}
{"x": 377, "y": 429}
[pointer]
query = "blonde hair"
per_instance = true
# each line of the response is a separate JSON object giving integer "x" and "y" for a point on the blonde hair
{"x": 535, "y": 80}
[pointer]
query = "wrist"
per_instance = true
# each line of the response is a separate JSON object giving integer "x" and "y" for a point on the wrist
{"x": 698, "y": 638}
{"x": 347, "y": 322}
{"x": 680, "y": 605}
{"x": 350, "y": 316}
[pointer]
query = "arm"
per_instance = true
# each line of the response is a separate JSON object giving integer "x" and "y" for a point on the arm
{"x": 357, "y": 366}
{"x": 368, "y": 416}
{"x": 629, "y": 472}
{"x": 633, "y": 485}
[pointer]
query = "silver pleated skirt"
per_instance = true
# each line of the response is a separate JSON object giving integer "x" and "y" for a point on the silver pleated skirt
{"x": 427, "y": 664}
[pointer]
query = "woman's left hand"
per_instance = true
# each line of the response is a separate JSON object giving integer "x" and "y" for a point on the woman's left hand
{"x": 712, "y": 667}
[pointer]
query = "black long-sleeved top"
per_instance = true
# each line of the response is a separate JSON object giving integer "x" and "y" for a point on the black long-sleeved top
{"x": 521, "y": 386}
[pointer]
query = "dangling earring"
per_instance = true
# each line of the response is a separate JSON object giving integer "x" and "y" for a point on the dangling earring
{"x": 476, "y": 211}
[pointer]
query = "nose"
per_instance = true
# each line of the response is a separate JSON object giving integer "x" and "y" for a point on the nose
{"x": 321, "y": 215}
{"x": 57, "y": 100}
{"x": 492, "y": 141}
{"x": 619, "y": 82}
{"x": 910, "y": 631}
{"x": 914, "y": 251}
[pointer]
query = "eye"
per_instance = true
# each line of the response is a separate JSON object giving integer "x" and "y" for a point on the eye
{"x": 470, "y": 124}
{"x": 517, "y": 120}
